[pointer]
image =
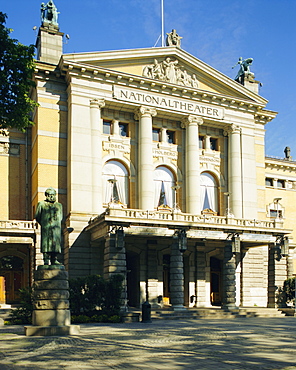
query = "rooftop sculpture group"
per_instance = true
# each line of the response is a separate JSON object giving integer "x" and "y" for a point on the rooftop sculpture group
{"x": 49, "y": 14}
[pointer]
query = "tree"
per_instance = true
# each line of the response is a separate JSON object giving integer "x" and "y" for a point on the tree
{"x": 16, "y": 71}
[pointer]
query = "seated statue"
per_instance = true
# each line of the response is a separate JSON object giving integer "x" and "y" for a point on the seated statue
{"x": 173, "y": 39}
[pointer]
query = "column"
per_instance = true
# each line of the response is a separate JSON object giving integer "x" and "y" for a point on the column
{"x": 176, "y": 277}
{"x": 229, "y": 281}
{"x": 277, "y": 274}
{"x": 235, "y": 171}
{"x": 96, "y": 152}
{"x": 145, "y": 157}
{"x": 115, "y": 263}
{"x": 192, "y": 171}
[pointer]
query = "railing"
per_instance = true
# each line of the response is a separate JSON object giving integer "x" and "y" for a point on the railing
{"x": 172, "y": 215}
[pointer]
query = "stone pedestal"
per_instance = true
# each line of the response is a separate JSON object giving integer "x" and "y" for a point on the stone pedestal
{"x": 51, "y": 315}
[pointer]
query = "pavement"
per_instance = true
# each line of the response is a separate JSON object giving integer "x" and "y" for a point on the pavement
{"x": 234, "y": 344}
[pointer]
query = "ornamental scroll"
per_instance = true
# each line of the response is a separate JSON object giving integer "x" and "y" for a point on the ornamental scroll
{"x": 169, "y": 71}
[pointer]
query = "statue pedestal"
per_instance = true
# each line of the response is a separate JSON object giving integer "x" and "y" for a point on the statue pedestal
{"x": 51, "y": 315}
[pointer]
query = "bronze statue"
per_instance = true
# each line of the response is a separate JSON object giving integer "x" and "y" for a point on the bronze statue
{"x": 49, "y": 13}
{"x": 49, "y": 215}
{"x": 244, "y": 70}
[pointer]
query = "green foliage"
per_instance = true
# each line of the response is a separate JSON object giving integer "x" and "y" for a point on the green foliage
{"x": 23, "y": 313}
{"x": 286, "y": 294}
{"x": 93, "y": 295}
{"x": 16, "y": 71}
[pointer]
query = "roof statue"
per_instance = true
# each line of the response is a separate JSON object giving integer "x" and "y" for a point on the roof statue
{"x": 49, "y": 14}
{"x": 173, "y": 39}
{"x": 244, "y": 70}
{"x": 169, "y": 71}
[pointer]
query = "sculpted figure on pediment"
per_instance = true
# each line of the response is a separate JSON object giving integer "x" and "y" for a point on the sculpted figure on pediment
{"x": 173, "y": 39}
{"x": 169, "y": 71}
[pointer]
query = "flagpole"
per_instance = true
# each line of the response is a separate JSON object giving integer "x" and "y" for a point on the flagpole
{"x": 162, "y": 23}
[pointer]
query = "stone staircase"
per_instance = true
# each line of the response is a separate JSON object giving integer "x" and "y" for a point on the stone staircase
{"x": 215, "y": 313}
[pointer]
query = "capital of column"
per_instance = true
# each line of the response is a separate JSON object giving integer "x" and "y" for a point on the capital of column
{"x": 97, "y": 103}
{"x": 145, "y": 111}
{"x": 191, "y": 120}
{"x": 231, "y": 129}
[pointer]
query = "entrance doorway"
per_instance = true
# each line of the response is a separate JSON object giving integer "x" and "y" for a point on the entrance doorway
{"x": 133, "y": 279}
{"x": 166, "y": 278}
{"x": 216, "y": 282}
{"x": 12, "y": 274}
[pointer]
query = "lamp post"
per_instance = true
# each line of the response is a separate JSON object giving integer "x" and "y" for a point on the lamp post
{"x": 175, "y": 188}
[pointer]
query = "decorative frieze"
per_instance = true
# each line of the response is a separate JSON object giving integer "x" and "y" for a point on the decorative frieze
{"x": 168, "y": 70}
{"x": 9, "y": 149}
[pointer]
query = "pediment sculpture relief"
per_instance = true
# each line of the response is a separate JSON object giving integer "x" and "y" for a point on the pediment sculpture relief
{"x": 169, "y": 71}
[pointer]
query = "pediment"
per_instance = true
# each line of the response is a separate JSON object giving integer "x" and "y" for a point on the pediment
{"x": 169, "y": 65}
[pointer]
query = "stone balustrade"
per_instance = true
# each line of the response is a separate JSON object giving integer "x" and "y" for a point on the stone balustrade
{"x": 17, "y": 225}
{"x": 132, "y": 215}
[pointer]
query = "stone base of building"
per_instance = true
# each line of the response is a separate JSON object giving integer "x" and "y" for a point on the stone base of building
{"x": 51, "y": 330}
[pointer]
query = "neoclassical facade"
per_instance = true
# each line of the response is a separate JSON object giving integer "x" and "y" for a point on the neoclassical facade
{"x": 158, "y": 160}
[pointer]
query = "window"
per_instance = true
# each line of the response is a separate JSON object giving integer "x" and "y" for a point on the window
{"x": 155, "y": 134}
{"x": 273, "y": 213}
{"x": 107, "y": 127}
{"x": 201, "y": 142}
{"x": 213, "y": 143}
{"x": 268, "y": 181}
{"x": 123, "y": 129}
{"x": 209, "y": 192}
{"x": 280, "y": 184}
{"x": 163, "y": 192}
{"x": 170, "y": 137}
{"x": 115, "y": 183}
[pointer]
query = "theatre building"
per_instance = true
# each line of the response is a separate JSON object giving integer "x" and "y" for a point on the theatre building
{"x": 158, "y": 160}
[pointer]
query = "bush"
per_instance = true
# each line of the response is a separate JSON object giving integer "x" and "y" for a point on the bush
{"x": 93, "y": 293}
{"x": 286, "y": 294}
{"x": 23, "y": 313}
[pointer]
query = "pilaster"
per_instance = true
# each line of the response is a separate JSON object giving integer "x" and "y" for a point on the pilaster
{"x": 176, "y": 277}
{"x": 229, "y": 278}
{"x": 192, "y": 171}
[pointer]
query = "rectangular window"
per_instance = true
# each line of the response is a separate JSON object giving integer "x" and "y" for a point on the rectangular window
{"x": 107, "y": 127}
{"x": 273, "y": 213}
{"x": 214, "y": 143}
{"x": 170, "y": 137}
{"x": 123, "y": 129}
{"x": 201, "y": 142}
{"x": 281, "y": 184}
{"x": 156, "y": 134}
{"x": 268, "y": 181}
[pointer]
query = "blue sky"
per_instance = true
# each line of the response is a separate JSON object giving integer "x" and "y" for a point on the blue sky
{"x": 215, "y": 31}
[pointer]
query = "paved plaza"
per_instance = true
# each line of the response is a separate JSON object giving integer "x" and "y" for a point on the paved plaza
{"x": 241, "y": 343}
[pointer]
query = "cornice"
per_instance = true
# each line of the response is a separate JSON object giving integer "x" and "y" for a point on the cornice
{"x": 89, "y": 72}
{"x": 280, "y": 163}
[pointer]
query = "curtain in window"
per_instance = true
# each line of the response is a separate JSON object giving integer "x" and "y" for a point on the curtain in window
{"x": 163, "y": 182}
{"x": 209, "y": 194}
{"x": 117, "y": 171}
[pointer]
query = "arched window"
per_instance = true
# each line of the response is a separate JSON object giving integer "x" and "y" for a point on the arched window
{"x": 115, "y": 183}
{"x": 209, "y": 192}
{"x": 163, "y": 192}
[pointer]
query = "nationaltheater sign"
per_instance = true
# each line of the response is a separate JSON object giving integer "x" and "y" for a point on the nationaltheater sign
{"x": 168, "y": 102}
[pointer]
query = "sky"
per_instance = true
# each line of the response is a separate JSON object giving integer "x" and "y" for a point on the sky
{"x": 216, "y": 31}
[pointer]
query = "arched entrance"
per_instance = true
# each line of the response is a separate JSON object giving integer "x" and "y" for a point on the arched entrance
{"x": 12, "y": 278}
